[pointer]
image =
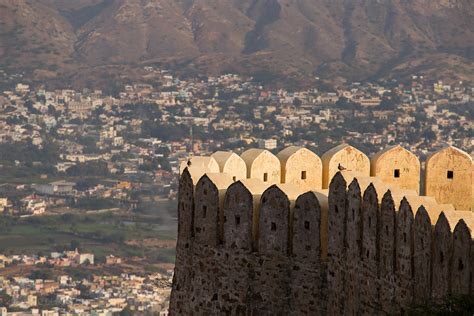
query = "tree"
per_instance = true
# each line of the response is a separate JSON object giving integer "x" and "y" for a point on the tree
{"x": 41, "y": 98}
{"x": 428, "y": 134}
{"x": 85, "y": 184}
{"x": 297, "y": 102}
{"x": 97, "y": 168}
{"x": 67, "y": 217}
{"x": 5, "y": 299}
{"x": 89, "y": 144}
{"x": 27, "y": 152}
{"x": 165, "y": 132}
{"x": 344, "y": 103}
{"x": 93, "y": 203}
{"x": 387, "y": 104}
{"x": 41, "y": 275}
{"x": 126, "y": 311}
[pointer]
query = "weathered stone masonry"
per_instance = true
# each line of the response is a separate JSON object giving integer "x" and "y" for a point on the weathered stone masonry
{"x": 273, "y": 252}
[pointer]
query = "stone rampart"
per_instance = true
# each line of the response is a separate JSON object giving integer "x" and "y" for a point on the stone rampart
{"x": 254, "y": 248}
{"x": 447, "y": 179}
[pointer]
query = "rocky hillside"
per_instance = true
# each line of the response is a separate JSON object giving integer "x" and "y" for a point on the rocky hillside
{"x": 337, "y": 39}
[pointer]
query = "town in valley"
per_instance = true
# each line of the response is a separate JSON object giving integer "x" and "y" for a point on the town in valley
{"x": 88, "y": 179}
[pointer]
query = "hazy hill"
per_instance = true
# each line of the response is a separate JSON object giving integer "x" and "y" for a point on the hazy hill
{"x": 338, "y": 39}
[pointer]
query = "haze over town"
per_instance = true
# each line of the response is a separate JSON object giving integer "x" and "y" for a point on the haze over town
{"x": 101, "y": 101}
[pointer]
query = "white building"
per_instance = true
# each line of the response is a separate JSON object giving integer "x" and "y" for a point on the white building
{"x": 267, "y": 144}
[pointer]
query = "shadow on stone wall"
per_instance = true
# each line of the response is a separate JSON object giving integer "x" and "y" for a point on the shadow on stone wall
{"x": 244, "y": 249}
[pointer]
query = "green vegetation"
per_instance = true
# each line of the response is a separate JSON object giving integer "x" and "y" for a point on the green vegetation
{"x": 25, "y": 162}
{"x": 5, "y": 299}
{"x": 94, "y": 204}
{"x": 104, "y": 233}
{"x": 78, "y": 273}
{"x": 165, "y": 132}
{"x": 97, "y": 168}
{"x": 44, "y": 274}
{"x": 26, "y": 152}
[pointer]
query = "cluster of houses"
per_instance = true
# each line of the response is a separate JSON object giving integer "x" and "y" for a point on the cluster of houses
{"x": 39, "y": 198}
{"x": 29, "y": 205}
{"x": 134, "y": 142}
{"x": 99, "y": 295}
{"x": 59, "y": 259}
{"x": 229, "y": 111}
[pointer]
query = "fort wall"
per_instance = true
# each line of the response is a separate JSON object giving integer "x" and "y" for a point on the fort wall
{"x": 359, "y": 247}
{"x": 448, "y": 173}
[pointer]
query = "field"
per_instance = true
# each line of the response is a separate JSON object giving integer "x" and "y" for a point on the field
{"x": 149, "y": 235}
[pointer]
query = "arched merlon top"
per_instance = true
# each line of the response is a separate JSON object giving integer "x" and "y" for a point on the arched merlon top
{"x": 442, "y": 241}
{"x": 185, "y": 208}
{"x": 307, "y": 226}
{"x": 450, "y": 150}
{"x": 241, "y": 213}
{"x": 347, "y": 157}
{"x": 263, "y": 165}
{"x": 274, "y": 222}
{"x": 200, "y": 164}
{"x": 397, "y": 166}
{"x": 448, "y": 177}
{"x": 336, "y": 217}
{"x": 301, "y": 167}
{"x": 291, "y": 191}
{"x": 460, "y": 260}
{"x": 209, "y": 212}
{"x": 231, "y": 163}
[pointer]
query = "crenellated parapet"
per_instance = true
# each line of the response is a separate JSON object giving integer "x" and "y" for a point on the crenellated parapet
{"x": 249, "y": 246}
{"x": 447, "y": 178}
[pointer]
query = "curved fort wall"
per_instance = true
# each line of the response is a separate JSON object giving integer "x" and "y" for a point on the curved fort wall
{"x": 280, "y": 249}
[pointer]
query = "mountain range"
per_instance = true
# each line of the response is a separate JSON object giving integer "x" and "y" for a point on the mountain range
{"x": 277, "y": 40}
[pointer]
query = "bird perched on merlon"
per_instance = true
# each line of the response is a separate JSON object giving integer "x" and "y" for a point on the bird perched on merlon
{"x": 340, "y": 167}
